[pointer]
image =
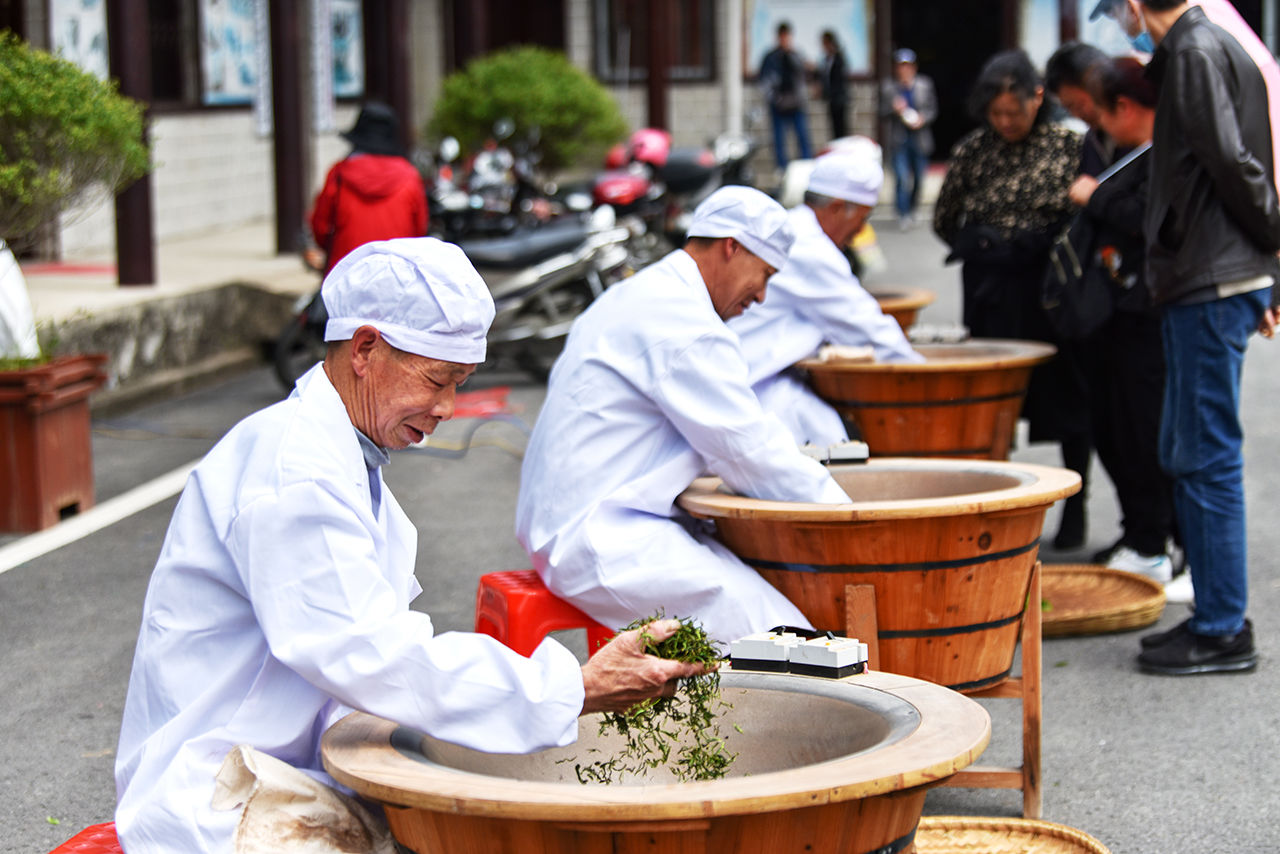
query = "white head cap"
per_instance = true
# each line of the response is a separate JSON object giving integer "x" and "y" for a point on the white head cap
{"x": 749, "y": 217}
{"x": 420, "y": 293}
{"x": 852, "y": 177}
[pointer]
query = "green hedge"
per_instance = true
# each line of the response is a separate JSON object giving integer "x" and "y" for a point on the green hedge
{"x": 575, "y": 116}
{"x": 63, "y": 133}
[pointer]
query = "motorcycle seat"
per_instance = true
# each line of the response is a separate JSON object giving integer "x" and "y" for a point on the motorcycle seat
{"x": 524, "y": 248}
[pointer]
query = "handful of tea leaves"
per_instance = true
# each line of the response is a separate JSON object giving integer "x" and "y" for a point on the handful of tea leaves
{"x": 681, "y": 731}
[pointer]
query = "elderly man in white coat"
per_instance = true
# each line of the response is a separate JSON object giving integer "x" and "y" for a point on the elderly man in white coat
{"x": 650, "y": 392}
{"x": 280, "y": 600}
{"x": 816, "y": 299}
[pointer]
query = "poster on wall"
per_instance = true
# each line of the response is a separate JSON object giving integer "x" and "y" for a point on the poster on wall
{"x": 78, "y": 32}
{"x": 851, "y": 20}
{"x": 348, "y": 48}
{"x": 228, "y": 51}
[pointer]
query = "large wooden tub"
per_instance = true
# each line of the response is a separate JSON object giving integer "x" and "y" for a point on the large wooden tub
{"x": 902, "y": 304}
{"x": 947, "y": 545}
{"x": 962, "y": 401}
{"x": 823, "y": 765}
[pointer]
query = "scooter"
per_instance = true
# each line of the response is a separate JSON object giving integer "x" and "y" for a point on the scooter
{"x": 541, "y": 279}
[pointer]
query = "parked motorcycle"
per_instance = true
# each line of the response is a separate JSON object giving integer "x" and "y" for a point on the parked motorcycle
{"x": 541, "y": 279}
{"x": 499, "y": 192}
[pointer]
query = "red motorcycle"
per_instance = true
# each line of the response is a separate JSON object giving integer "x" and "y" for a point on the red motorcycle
{"x": 648, "y": 178}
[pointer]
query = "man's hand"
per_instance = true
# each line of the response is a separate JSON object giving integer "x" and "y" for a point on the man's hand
{"x": 1082, "y": 190}
{"x": 621, "y": 674}
{"x": 1270, "y": 319}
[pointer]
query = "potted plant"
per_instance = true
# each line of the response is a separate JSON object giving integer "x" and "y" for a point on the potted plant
{"x": 64, "y": 135}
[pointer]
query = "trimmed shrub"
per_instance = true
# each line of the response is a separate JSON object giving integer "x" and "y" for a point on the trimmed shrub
{"x": 63, "y": 134}
{"x": 574, "y": 116}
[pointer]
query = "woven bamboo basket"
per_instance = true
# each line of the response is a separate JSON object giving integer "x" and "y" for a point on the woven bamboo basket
{"x": 941, "y": 834}
{"x": 1085, "y": 599}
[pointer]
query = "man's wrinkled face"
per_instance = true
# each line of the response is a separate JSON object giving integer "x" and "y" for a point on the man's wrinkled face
{"x": 404, "y": 396}
{"x": 741, "y": 283}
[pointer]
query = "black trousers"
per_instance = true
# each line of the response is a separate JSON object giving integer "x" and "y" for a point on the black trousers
{"x": 838, "y": 110}
{"x": 1124, "y": 365}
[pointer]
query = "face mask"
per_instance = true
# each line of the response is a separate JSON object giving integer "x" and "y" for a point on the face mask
{"x": 1143, "y": 42}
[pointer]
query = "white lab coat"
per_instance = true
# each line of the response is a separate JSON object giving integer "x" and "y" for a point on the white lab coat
{"x": 814, "y": 300}
{"x": 280, "y": 603}
{"x": 651, "y": 392}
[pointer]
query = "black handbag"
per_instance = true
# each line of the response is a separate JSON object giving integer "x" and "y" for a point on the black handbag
{"x": 1076, "y": 294}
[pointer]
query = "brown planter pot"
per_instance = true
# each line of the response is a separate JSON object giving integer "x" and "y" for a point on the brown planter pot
{"x": 45, "y": 450}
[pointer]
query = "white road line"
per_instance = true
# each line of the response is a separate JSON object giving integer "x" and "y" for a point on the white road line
{"x": 94, "y": 519}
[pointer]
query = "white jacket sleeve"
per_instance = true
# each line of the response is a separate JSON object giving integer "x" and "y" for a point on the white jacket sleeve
{"x": 704, "y": 393}
{"x": 849, "y": 316}
{"x": 330, "y": 612}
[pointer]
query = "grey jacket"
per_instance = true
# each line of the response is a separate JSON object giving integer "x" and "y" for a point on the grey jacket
{"x": 926, "y": 104}
{"x": 1212, "y": 214}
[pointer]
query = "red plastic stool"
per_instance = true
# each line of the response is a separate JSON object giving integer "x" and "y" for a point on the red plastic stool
{"x": 95, "y": 839}
{"x": 517, "y": 609}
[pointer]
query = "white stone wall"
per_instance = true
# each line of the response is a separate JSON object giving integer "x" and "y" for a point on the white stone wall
{"x": 212, "y": 171}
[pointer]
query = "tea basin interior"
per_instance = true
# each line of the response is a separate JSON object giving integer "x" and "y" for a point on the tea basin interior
{"x": 840, "y": 740}
{"x": 775, "y": 723}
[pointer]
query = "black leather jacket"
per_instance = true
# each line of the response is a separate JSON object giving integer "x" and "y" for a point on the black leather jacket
{"x": 1213, "y": 215}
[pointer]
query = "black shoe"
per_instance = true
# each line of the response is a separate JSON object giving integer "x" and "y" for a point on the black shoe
{"x": 1101, "y": 557}
{"x": 1156, "y": 639}
{"x": 1188, "y": 653}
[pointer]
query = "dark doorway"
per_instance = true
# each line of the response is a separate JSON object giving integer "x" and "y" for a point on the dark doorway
{"x": 12, "y": 18}
{"x": 952, "y": 42}
{"x": 481, "y": 26}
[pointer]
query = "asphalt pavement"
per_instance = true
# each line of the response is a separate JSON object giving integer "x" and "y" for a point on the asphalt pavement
{"x": 1146, "y": 764}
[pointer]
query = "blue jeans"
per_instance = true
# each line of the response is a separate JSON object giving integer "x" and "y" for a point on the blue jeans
{"x": 909, "y": 166}
{"x": 1201, "y": 447}
{"x": 800, "y": 124}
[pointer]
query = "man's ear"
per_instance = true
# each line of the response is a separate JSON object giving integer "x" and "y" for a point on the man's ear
{"x": 364, "y": 343}
{"x": 731, "y": 247}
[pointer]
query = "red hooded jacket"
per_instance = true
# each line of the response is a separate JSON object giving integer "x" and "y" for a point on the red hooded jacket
{"x": 368, "y": 197}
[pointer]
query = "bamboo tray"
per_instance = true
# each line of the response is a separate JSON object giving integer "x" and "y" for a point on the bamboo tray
{"x": 940, "y": 834}
{"x": 1087, "y": 599}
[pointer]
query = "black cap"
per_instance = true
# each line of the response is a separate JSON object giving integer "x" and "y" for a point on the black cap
{"x": 376, "y": 131}
{"x": 1103, "y": 8}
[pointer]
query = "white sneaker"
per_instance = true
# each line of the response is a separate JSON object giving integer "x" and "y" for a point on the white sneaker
{"x": 1179, "y": 591}
{"x": 1156, "y": 567}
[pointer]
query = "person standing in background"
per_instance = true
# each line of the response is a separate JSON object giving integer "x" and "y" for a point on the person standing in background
{"x": 834, "y": 91}
{"x": 373, "y": 193}
{"x": 782, "y": 78}
{"x": 1002, "y": 203}
{"x": 1212, "y": 228}
{"x": 1064, "y": 76}
{"x": 910, "y": 106}
{"x": 1123, "y": 359}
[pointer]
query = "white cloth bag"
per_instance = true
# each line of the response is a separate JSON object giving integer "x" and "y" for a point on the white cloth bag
{"x": 17, "y": 325}
{"x": 288, "y": 812}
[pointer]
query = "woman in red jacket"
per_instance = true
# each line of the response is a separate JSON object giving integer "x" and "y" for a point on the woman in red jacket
{"x": 373, "y": 193}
